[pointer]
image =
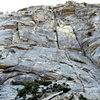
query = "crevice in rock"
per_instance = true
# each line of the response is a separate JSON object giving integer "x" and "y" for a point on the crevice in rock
{"x": 5, "y": 67}
{"x": 20, "y": 47}
{"x": 10, "y": 71}
{"x": 78, "y": 61}
{"x": 85, "y": 56}
{"x": 16, "y": 36}
{"x": 92, "y": 27}
{"x": 55, "y": 28}
{"x": 57, "y": 38}
{"x": 17, "y": 27}
{"x": 84, "y": 53}
{"x": 74, "y": 49}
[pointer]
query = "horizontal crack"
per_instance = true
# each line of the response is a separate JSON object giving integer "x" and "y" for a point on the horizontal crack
{"x": 78, "y": 61}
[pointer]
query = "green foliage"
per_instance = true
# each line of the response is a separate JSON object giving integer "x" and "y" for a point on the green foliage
{"x": 60, "y": 87}
{"x": 29, "y": 88}
{"x": 32, "y": 88}
{"x": 45, "y": 83}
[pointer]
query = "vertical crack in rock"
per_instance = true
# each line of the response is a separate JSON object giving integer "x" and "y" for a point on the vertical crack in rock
{"x": 88, "y": 58}
{"x": 83, "y": 51}
{"x": 16, "y": 37}
{"x": 92, "y": 76}
{"x": 17, "y": 29}
{"x": 57, "y": 55}
{"x": 55, "y": 27}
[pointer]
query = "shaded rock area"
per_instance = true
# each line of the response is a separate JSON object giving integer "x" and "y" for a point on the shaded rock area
{"x": 58, "y": 44}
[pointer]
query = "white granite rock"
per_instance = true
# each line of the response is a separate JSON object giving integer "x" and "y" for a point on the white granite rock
{"x": 59, "y": 43}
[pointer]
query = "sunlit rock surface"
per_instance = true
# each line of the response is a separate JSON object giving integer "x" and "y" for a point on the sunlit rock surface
{"x": 59, "y": 43}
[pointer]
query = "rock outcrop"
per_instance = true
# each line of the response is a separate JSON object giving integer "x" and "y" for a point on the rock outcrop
{"x": 61, "y": 44}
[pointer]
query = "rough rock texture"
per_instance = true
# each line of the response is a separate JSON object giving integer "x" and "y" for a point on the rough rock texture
{"x": 59, "y": 43}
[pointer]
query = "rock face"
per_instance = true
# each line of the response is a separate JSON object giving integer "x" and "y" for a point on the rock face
{"x": 59, "y": 43}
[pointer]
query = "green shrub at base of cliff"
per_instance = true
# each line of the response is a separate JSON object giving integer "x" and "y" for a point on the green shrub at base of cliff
{"x": 35, "y": 90}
